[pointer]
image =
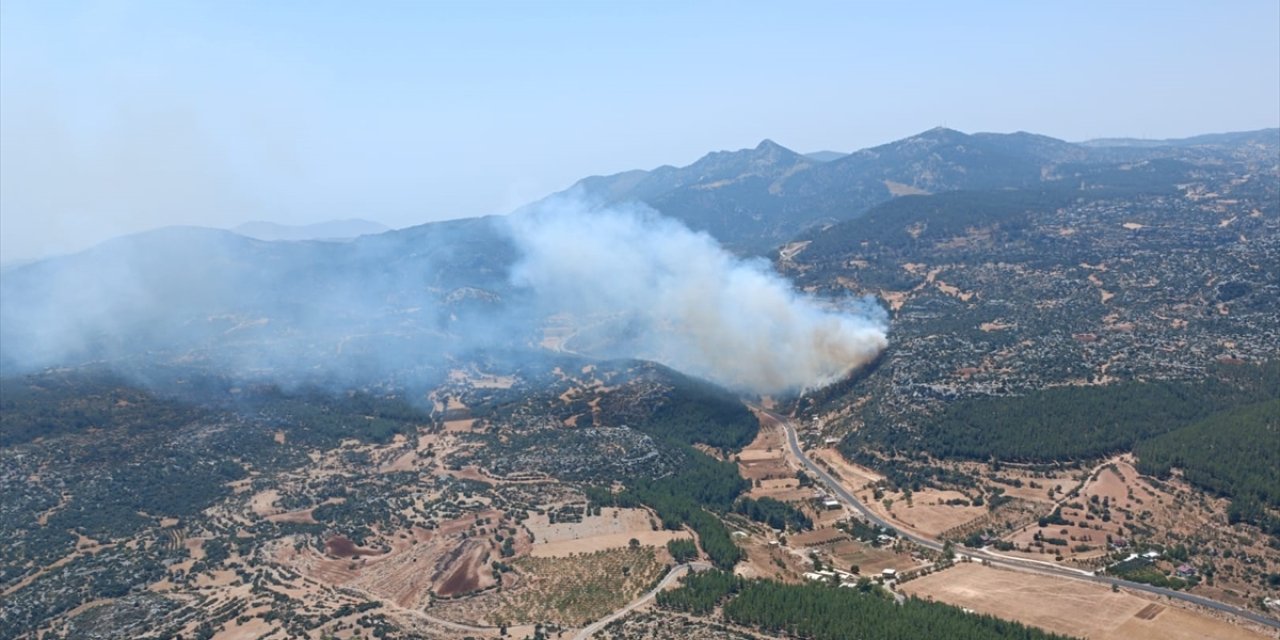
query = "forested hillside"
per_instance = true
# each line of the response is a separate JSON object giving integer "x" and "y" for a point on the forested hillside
{"x": 1075, "y": 422}
{"x": 1234, "y": 453}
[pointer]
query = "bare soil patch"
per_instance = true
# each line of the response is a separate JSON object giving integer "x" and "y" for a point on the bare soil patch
{"x": 252, "y": 629}
{"x": 566, "y": 548}
{"x": 462, "y": 574}
{"x": 792, "y": 249}
{"x": 772, "y": 561}
{"x": 895, "y": 299}
{"x": 611, "y": 521}
{"x": 412, "y": 564}
{"x": 304, "y": 516}
{"x": 929, "y": 513}
{"x": 459, "y": 426}
{"x": 263, "y": 503}
{"x": 341, "y": 547}
{"x": 853, "y": 477}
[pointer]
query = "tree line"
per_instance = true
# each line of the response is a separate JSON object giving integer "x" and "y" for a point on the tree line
{"x": 822, "y": 612}
{"x": 775, "y": 513}
{"x": 1234, "y": 453}
{"x": 684, "y": 498}
{"x": 1065, "y": 423}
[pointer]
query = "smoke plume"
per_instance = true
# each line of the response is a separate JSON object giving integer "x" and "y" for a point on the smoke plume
{"x": 405, "y": 307}
{"x": 683, "y": 300}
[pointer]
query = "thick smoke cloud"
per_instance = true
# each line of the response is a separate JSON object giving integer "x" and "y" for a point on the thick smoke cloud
{"x": 685, "y": 301}
{"x": 404, "y": 308}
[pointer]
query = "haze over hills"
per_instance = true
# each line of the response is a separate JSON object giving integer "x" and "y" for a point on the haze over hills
{"x": 329, "y": 230}
{"x": 403, "y": 304}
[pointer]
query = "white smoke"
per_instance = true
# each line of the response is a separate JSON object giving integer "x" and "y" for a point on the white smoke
{"x": 688, "y": 302}
{"x": 404, "y": 306}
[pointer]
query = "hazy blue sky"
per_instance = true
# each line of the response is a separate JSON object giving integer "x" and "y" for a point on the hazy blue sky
{"x": 122, "y": 116}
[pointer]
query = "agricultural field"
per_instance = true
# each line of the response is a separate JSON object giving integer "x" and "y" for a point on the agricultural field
{"x": 572, "y": 591}
{"x": 613, "y": 528}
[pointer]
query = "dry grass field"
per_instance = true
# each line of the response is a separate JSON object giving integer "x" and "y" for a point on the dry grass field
{"x": 1070, "y": 607}
{"x": 928, "y": 513}
{"x": 765, "y": 463}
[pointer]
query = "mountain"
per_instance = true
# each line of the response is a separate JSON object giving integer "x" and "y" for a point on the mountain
{"x": 753, "y": 200}
{"x": 329, "y": 230}
{"x": 1077, "y": 317}
{"x": 220, "y": 298}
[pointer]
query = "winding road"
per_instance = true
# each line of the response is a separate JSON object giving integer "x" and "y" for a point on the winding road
{"x": 996, "y": 559}
{"x": 667, "y": 580}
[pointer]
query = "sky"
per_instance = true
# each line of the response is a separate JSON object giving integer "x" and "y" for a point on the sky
{"x": 117, "y": 117}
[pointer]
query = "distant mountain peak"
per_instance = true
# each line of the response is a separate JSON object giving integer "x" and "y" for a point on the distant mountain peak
{"x": 771, "y": 152}
{"x": 766, "y": 156}
{"x": 942, "y": 133}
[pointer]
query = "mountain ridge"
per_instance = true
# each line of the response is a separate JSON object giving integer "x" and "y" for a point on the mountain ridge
{"x": 755, "y": 199}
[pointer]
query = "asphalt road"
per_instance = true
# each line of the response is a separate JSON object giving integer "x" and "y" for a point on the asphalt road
{"x": 996, "y": 559}
{"x": 667, "y": 580}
